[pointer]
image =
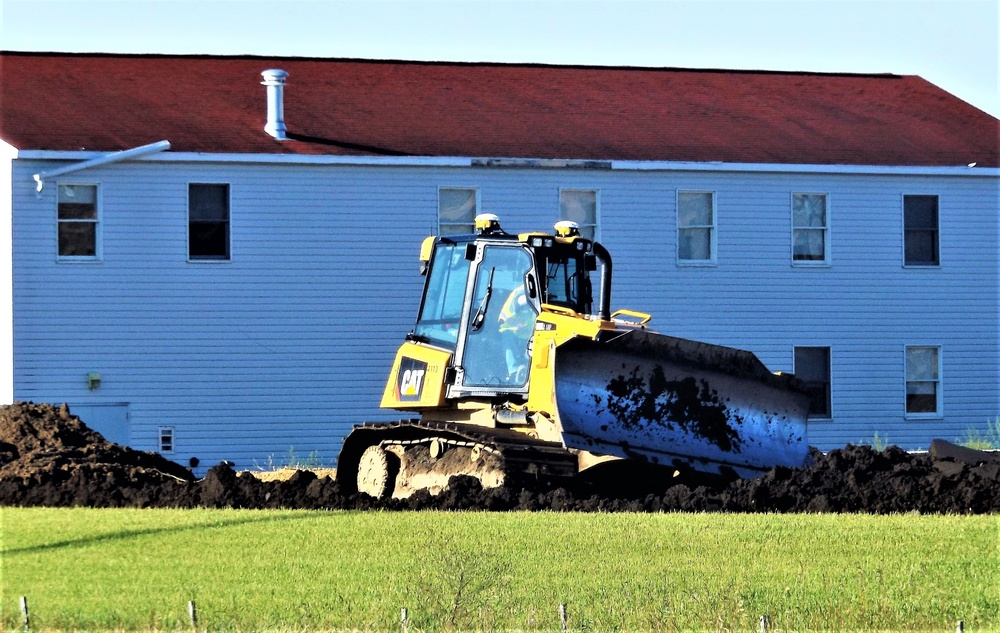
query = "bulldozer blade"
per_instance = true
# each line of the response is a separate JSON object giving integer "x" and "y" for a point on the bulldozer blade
{"x": 673, "y": 401}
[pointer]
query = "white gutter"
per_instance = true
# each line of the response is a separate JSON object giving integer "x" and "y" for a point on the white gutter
{"x": 507, "y": 163}
{"x": 791, "y": 168}
{"x": 104, "y": 159}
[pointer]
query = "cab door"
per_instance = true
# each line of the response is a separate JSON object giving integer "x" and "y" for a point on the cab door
{"x": 494, "y": 357}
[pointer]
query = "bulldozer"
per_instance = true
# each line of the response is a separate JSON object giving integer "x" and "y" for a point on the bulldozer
{"x": 521, "y": 375}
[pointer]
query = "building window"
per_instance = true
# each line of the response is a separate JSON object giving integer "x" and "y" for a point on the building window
{"x": 580, "y": 206}
{"x": 457, "y": 210}
{"x": 920, "y": 231}
{"x": 78, "y": 224}
{"x": 923, "y": 381}
{"x": 695, "y": 227}
{"x": 810, "y": 228}
{"x": 208, "y": 221}
{"x": 812, "y": 367}
{"x": 166, "y": 436}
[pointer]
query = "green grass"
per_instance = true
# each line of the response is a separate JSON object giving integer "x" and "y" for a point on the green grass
{"x": 87, "y": 569}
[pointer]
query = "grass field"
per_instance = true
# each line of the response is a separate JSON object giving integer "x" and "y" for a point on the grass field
{"x": 88, "y": 569}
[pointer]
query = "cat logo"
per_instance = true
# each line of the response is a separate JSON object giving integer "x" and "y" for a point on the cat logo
{"x": 410, "y": 382}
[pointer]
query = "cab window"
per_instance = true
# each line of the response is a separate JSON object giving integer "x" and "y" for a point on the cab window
{"x": 441, "y": 312}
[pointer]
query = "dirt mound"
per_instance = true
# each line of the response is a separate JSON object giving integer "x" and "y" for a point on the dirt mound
{"x": 48, "y": 457}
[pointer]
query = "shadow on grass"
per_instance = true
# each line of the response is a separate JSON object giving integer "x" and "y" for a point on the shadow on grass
{"x": 174, "y": 529}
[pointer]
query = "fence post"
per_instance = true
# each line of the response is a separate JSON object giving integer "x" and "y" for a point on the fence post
{"x": 763, "y": 624}
{"x": 563, "y": 619}
{"x": 961, "y": 627}
{"x": 24, "y": 612}
{"x": 404, "y": 619}
{"x": 193, "y": 614}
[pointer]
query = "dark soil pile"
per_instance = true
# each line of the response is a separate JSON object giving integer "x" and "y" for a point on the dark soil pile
{"x": 50, "y": 458}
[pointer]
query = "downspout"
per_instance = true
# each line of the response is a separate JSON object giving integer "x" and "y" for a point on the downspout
{"x": 113, "y": 157}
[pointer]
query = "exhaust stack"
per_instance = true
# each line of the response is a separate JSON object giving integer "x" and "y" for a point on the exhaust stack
{"x": 274, "y": 79}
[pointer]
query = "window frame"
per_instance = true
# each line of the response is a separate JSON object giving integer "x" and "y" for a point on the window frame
{"x": 713, "y": 259}
{"x": 229, "y": 225}
{"x": 828, "y": 416}
{"x": 596, "y": 226}
{"x": 937, "y": 231}
{"x": 827, "y": 233}
{"x": 938, "y": 412}
{"x": 98, "y": 223}
{"x": 472, "y": 223}
{"x": 161, "y": 433}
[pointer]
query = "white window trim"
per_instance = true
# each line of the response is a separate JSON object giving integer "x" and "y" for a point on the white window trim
{"x": 597, "y": 207}
{"x": 713, "y": 259}
{"x": 827, "y": 231}
{"x": 939, "y": 413}
{"x": 159, "y": 440}
{"x": 437, "y": 211}
{"x": 98, "y": 256}
{"x": 829, "y": 348}
{"x": 187, "y": 225}
{"x": 902, "y": 232}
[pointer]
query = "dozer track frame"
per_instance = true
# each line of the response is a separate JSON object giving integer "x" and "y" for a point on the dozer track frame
{"x": 396, "y": 459}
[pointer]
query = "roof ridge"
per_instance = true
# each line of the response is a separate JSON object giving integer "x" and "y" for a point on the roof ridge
{"x": 418, "y": 62}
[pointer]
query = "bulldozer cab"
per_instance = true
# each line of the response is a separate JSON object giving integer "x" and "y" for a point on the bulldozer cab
{"x": 483, "y": 294}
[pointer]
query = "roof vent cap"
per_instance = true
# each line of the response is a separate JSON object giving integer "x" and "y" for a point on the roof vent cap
{"x": 274, "y": 79}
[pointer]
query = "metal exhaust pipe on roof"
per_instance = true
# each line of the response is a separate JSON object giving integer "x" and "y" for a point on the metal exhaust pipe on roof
{"x": 274, "y": 79}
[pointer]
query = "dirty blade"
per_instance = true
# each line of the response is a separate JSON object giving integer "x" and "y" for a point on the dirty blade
{"x": 681, "y": 402}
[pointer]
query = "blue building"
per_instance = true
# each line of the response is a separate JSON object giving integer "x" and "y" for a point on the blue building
{"x": 195, "y": 284}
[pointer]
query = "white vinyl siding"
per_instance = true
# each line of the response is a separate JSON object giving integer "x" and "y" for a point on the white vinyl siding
{"x": 290, "y": 344}
{"x": 457, "y": 209}
{"x": 810, "y": 228}
{"x": 580, "y": 206}
{"x": 696, "y": 214}
{"x": 78, "y": 224}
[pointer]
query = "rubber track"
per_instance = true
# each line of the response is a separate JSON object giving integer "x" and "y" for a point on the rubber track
{"x": 525, "y": 458}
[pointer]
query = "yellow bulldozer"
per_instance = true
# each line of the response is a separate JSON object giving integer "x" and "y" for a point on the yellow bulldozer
{"x": 522, "y": 375}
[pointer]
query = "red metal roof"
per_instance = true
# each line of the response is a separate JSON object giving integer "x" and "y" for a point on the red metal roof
{"x": 357, "y": 107}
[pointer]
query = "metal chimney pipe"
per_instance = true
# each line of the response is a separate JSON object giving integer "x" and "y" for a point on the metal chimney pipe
{"x": 274, "y": 79}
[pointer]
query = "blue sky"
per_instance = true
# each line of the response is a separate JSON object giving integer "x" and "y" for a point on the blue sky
{"x": 952, "y": 43}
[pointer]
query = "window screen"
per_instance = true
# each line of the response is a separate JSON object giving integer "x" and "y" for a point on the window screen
{"x": 77, "y": 221}
{"x": 812, "y": 367}
{"x": 457, "y": 210}
{"x": 580, "y": 206}
{"x": 920, "y": 229}
{"x": 208, "y": 221}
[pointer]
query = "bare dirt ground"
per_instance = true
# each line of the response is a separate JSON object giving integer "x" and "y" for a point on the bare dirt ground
{"x": 48, "y": 457}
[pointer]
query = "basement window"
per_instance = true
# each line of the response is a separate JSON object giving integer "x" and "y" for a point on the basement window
{"x": 580, "y": 206}
{"x": 208, "y": 221}
{"x": 78, "y": 223}
{"x": 457, "y": 209}
{"x": 812, "y": 367}
{"x": 166, "y": 441}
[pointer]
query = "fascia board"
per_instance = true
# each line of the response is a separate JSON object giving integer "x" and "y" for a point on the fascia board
{"x": 462, "y": 161}
{"x": 880, "y": 170}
